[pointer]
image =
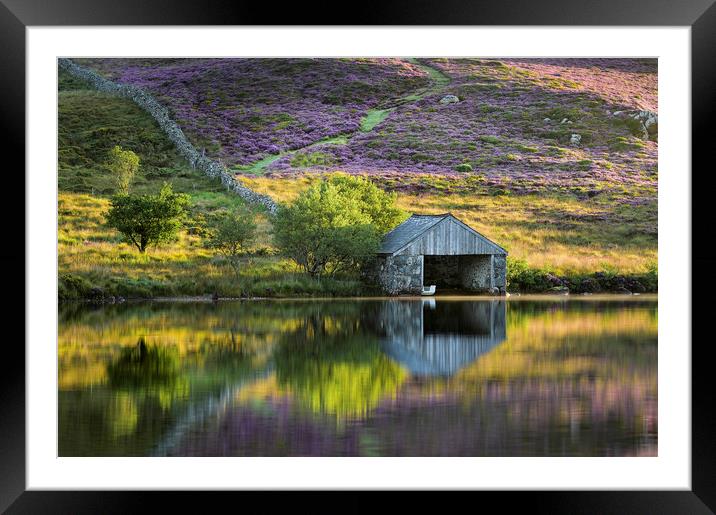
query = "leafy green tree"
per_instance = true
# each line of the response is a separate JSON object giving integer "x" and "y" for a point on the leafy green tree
{"x": 124, "y": 165}
{"x": 232, "y": 234}
{"x": 146, "y": 220}
{"x": 374, "y": 202}
{"x": 336, "y": 225}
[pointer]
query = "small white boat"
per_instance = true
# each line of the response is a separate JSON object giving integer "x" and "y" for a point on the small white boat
{"x": 428, "y": 290}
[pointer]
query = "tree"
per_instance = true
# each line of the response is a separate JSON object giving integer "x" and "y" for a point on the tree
{"x": 336, "y": 225}
{"x": 146, "y": 220}
{"x": 374, "y": 202}
{"x": 124, "y": 165}
{"x": 232, "y": 233}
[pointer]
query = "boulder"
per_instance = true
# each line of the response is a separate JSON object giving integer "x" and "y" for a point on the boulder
{"x": 575, "y": 139}
{"x": 559, "y": 290}
{"x": 648, "y": 120}
{"x": 589, "y": 285}
{"x": 449, "y": 99}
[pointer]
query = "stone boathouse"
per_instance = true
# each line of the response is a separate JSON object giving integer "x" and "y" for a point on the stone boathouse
{"x": 439, "y": 250}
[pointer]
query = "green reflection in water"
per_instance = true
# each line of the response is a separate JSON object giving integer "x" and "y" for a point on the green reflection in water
{"x": 568, "y": 377}
{"x": 334, "y": 366}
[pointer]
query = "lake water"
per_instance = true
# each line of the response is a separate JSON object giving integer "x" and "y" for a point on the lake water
{"x": 427, "y": 377}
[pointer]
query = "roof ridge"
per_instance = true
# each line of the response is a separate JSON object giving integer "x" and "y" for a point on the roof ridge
{"x": 427, "y": 215}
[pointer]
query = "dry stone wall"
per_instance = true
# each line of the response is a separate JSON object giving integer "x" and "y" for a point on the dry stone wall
{"x": 400, "y": 274}
{"x": 160, "y": 113}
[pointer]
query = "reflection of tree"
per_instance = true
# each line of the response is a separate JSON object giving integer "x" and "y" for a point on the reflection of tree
{"x": 147, "y": 388}
{"x": 144, "y": 367}
{"x": 333, "y": 367}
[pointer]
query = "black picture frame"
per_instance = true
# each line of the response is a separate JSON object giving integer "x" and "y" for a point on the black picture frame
{"x": 699, "y": 15}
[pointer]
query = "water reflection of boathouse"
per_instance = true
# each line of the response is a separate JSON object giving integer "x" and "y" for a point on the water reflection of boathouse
{"x": 432, "y": 337}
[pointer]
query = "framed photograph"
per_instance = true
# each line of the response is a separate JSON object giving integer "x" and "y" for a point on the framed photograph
{"x": 446, "y": 248}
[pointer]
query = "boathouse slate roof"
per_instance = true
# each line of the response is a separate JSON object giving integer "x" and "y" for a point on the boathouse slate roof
{"x": 416, "y": 226}
{"x": 408, "y": 231}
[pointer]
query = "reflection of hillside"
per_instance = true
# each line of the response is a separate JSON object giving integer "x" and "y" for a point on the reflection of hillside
{"x": 439, "y": 338}
{"x": 520, "y": 418}
{"x": 593, "y": 342}
{"x": 269, "y": 429}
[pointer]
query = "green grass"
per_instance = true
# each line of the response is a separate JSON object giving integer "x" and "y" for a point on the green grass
{"x": 259, "y": 166}
{"x": 94, "y": 262}
{"x": 559, "y": 232}
{"x": 374, "y": 117}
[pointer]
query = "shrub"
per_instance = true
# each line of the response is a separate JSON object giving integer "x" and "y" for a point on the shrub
{"x": 70, "y": 286}
{"x": 493, "y": 140}
{"x": 634, "y": 126}
{"x": 232, "y": 233}
{"x": 124, "y": 165}
{"x": 464, "y": 167}
{"x": 335, "y": 226}
{"x": 146, "y": 220}
{"x": 312, "y": 159}
{"x": 521, "y": 277}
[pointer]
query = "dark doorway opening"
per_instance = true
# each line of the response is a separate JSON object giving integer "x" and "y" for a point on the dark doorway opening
{"x": 442, "y": 271}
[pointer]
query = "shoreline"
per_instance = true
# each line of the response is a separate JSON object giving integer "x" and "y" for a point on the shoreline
{"x": 510, "y": 297}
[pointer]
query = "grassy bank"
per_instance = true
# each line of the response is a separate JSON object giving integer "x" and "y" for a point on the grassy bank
{"x": 561, "y": 234}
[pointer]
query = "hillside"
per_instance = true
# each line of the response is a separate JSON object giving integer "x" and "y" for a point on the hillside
{"x": 502, "y": 158}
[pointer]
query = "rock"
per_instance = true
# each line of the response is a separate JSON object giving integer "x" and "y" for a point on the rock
{"x": 575, "y": 139}
{"x": 635, "y": 286}
{"x": 564, "y": 120}
{"x": 547, "y": 120}
{"x": 554, "y": 280}
{"x": 494, "y": 291}
{"x": 121, "y": 299}
{"x": 589, "y": 285}
{"x": 559, "y": 290}
{"x": 449, "y": 99}
{"x": 649, "y": 121}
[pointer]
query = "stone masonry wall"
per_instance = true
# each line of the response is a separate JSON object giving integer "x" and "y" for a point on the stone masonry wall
{"x": 475, "y": 273}
{"x": 400, "y": 274}
{"x": 160, "y": 113}
{"x": 499, "y": 266}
